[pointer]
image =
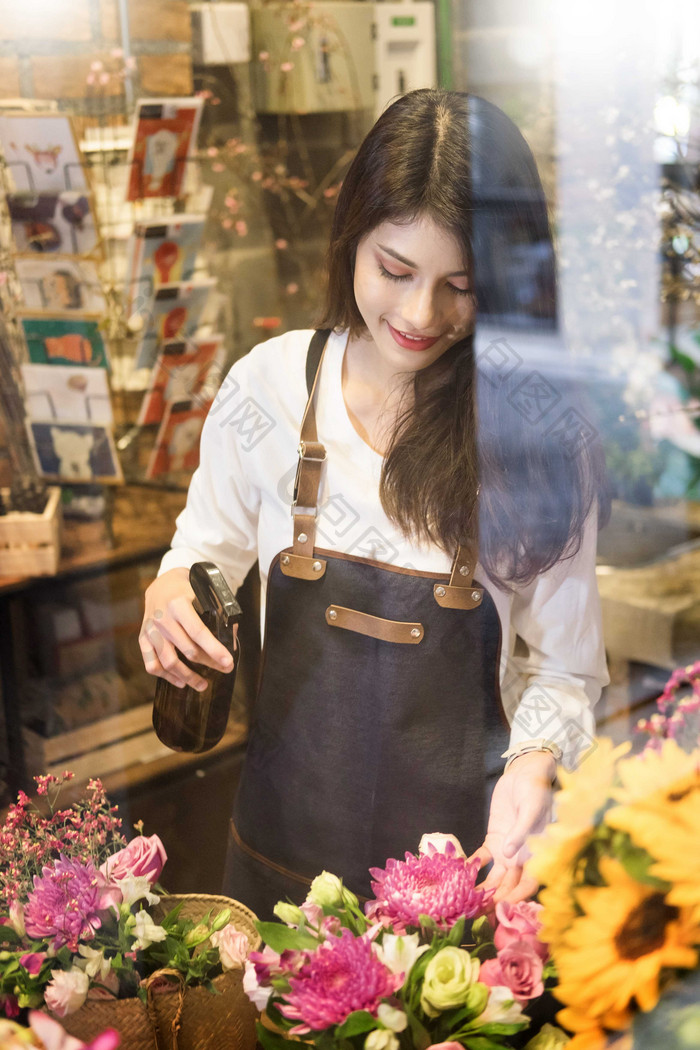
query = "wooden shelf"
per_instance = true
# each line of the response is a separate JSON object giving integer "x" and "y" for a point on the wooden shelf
{"x": 140, "y": 773}
{"x": 143, "y": 523}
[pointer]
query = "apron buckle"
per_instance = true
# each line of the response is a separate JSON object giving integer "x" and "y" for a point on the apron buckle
{"x": 308, "y": 452}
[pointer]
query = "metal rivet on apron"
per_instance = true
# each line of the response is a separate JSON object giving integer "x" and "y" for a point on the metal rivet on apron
{"x": 476, "y": 596}
{"x": 463, "y": 570}
{"x": 285, "y": 560}
{"x": 317, "y": 566}
{"x": 415, "y": 633}
{"x": 332, "y": 614}
{"x": 440, "y": 591}
{"x": 302, "y": 537}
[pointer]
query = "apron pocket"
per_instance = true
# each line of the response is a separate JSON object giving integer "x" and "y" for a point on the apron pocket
{"x": 374, "y": 626}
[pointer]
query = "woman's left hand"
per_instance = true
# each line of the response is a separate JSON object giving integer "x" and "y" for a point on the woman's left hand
{"x": 521, "y": 806}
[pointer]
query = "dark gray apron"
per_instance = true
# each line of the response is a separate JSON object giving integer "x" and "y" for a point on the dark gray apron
{"x": 378, "y": 691}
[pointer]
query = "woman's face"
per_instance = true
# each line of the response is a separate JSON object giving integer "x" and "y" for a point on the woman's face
{"x": 412, "y": 288}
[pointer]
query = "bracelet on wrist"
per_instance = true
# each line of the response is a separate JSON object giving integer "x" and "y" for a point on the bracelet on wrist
{"x": 536, "y": 745}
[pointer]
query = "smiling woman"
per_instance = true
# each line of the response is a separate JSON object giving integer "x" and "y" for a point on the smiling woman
{"x": 379, "y": 710}
{"x": 412, "y": 289}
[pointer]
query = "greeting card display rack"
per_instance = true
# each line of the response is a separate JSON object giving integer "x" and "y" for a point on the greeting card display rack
{"x": 115, "y": 349}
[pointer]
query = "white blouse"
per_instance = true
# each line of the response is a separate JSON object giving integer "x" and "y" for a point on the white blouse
{"x": 238, "y": 509}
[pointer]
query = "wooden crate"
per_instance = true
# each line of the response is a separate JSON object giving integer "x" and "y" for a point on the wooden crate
{"x": 30, "y": 544}
{"x": 96, "y": 749}
{"x": 107, "y": 746}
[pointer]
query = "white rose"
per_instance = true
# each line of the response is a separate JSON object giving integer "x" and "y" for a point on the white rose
{"x": 146, "y": 931}
{"x": 255, "y": 991}
{"x": 135, "y": 888}
{"x": 448, "y": 977}
{"x": 326, "y": 890}
{"x": 501, "y": 1008}
{"x": 95, "y": 962}
{"x": 66, "y": 992}
{"x": 392, "y": 1018}
{"x": 381, "y": 1039}
{"x": 288, "y": 913}
{"x": 399, "y": 953}
{"x": 439, "y": 840}
{"x": 549, "y": 1037}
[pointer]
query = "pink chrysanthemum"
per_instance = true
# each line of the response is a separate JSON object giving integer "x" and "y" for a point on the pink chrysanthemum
{"x": 441, "y": 885}
{"x": 65, "y": 903}
{"x": 344, "y": 974}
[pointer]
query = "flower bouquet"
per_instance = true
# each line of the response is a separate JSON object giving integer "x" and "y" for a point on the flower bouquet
{"x": 87, "y": 931}
{"x": 621, "y": 896}
{"x": 422, "y": 966}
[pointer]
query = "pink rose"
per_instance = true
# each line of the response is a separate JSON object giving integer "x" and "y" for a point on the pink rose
{"x": 66, "y": 992}
{"x": 233, "y": 946}
{"x": 517, "y": 967}
{"x": 142, "y": 857}
{"x": 32, "y": 961}
{"x": 519, "y": 922}
{"x": 445, "y": 1046}
{"x": 313, "y": 913}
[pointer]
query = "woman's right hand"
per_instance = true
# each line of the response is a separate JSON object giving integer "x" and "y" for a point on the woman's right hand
{"x": 170, "y": 623}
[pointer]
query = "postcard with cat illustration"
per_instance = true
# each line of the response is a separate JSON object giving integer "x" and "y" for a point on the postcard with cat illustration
{"x": 74, "y": 452}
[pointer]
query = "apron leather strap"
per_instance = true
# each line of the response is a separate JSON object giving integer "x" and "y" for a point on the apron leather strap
{"x": 308, "y": 479}
{"x": 461, "y": 592}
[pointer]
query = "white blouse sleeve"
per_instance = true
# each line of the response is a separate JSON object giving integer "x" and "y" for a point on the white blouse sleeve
{"x": 556, "y": 683}
{"x": 220, "y": 520}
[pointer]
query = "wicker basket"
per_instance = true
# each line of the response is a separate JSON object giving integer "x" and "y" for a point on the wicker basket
{"x": 180, "y": 1017}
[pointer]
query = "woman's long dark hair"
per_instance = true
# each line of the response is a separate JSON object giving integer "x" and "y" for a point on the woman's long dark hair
{"x": 464, "y": 458}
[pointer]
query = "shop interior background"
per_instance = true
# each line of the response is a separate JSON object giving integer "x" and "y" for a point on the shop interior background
{"x": 607, "y": 95}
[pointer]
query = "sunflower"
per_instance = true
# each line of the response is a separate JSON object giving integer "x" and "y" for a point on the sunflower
{"x": 611, "y": 957}
{"x": 555, "y": 853}
{"x": 666, "y": 823}
{"x": 588, "y": 1033}
{"x": 558, "y": 912}
{"x": 643, "y": 775}
{"x": 586, "y": 790}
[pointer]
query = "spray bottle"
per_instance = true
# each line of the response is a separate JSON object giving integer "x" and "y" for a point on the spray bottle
{"x": 184, "y": 719}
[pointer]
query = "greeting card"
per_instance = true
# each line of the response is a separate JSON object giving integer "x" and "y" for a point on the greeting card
{"x": 41, "y": 152}
{"x": 67, "y": 393}
{"x": 71, "y": 452}
{"x": 60, "y": 223}
{"x": 180, "y": 374}
{"x": 160, "y": 253}
{"x": 165, "y": 136}
{"x": 177, "y": 444}
{"x": 174, "y": 314}
{"x": 64, "y": 341}
{"x": 60, "y": 284}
